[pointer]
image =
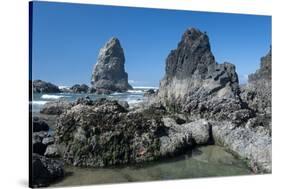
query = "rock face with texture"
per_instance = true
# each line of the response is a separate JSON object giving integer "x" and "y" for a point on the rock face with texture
{"x": 105, "y": 133}
{"x": 194, "y": 83}
{"x": 109, "y": 73}
{"x": 83, "y": 88}
{"x": 39, "y": 125}
{"x": 252, "y": 144}
{"x": 257, "y": 93}
{"x": 39, "y": 86}
{"x": 45, "y": 170}
{"x": 55, "y": 107}
{"x": 264, "y": 73}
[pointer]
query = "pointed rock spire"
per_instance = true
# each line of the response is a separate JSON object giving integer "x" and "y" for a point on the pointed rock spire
{"x": 109, "y": 72}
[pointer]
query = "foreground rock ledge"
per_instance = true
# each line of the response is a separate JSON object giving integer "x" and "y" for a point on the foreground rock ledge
{"x": 105, "y": 133}
{"x": 252, "y": 144}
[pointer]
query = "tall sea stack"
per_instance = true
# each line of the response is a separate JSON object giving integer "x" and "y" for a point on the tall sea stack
{"x": 109, "y": 73}
{"x": 194, "y": 83}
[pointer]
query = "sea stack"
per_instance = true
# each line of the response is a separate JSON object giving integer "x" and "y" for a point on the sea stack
{"x": 109, "y": 72}
{"x": 195, "y": 84}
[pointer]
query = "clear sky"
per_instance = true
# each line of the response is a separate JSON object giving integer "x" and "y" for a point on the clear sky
{"x": 67, "y": 39}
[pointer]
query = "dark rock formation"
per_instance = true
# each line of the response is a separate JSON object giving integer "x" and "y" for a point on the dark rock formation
{"x": 105, "y": 133}
{"x": 194, "y": 83}
{"x": 85, "y": 101}
{"x": 125, "y": 104}
{"x": 45, "y": 170}
{"x": 109, "y": 73}
{"x": 38, "y": 146}
{"x": 257, "y": 93}
{"x": 55, "y": 107}
{"x": 39, "y": 125}
{"x": 264, "y": 73}
{"x": 149, "y": 92}
{"x": 39, "y": 86}
{"x": 79, "y": 88}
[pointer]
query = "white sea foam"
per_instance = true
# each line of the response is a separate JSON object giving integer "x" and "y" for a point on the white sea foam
{"x": 135, "y": 91}
{"x": 64, "y": 87}
{"x": 39, "y": 102}
{"x": 144, "y": 87}
{"x": 133, "y": 101}
{"x": 116, "y": 93}
{"x": 47, "y": 96}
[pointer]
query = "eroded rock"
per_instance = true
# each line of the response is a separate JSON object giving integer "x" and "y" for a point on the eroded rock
{"x": 109, "y": 72}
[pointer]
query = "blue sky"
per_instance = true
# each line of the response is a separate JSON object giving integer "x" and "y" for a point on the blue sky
{"x": 67, "y": 39}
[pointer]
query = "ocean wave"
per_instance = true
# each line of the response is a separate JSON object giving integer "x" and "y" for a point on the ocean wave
{"x": 144, "y": 87}
{"x": 47, "y": 96}
{"x": 116, "y": 93}
{"x": 39, "y": 102}
{"x": 64, "y": 87}
{"x": 135, "y": 91}
{"x": 133, "y": 101}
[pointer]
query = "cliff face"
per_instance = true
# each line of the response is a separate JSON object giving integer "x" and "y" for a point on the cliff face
{"x": 109, "y": 73}
{"x": 195, "y": 83}
{"x": 264, "y": 73}
{"x": 258, "y": 92}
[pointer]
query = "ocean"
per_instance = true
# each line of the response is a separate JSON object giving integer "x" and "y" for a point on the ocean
{"x": 131, "y": 96}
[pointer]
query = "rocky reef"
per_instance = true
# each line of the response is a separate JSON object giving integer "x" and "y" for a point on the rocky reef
{"x": 39, "y": 86}
{"x": 109, "y": 72}
{"x": 104, "y": 133}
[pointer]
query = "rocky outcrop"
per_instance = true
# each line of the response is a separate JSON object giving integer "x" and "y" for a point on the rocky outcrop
{"x": 39, "y": 86}
{"x": 109, "y": 73}
{"x": 149, "y": 93}
{"x": 195, "y": 84}
{"x": 251, "y": 143}
{"x": 45, "y": 170}
{"x": 109, "y": 136}
{"x": 79, "y": 88}
{"x": 39, "y": 124}
{"x": 38, "y": 146}
{"x": 257, "y": 93}
{"x": 264, "y": 73}
{"x": 52, "y": 151}
{"x": 55, "y": 107}
{"x": 199, "y": 131}
{"x": 105, "y": 133}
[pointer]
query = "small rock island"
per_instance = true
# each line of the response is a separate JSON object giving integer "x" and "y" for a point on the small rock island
{"x": 109, "y": 72}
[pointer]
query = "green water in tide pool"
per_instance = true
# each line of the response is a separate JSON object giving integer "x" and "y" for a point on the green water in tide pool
{"x": 208, "y": 161}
